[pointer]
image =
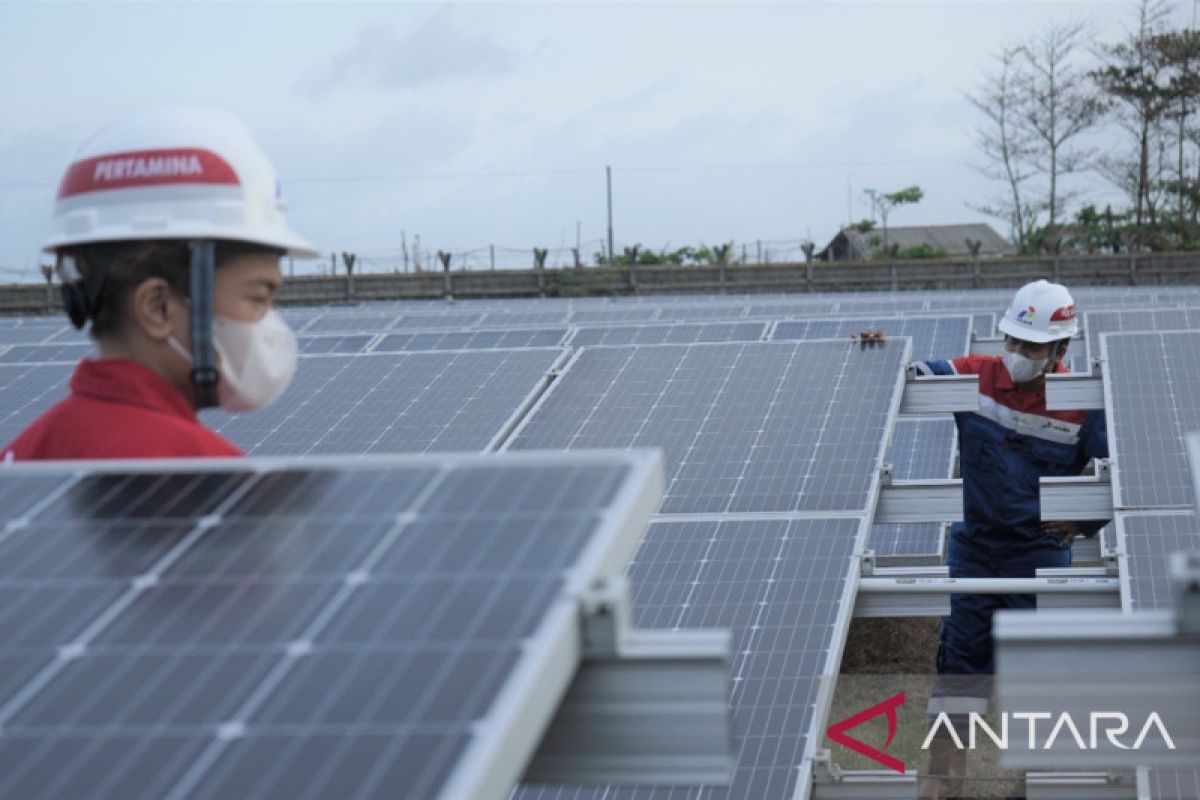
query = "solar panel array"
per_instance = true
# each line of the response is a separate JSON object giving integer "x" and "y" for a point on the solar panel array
{"x": 766, "y": 433}
{"x": 314, "y": 631}
{"x": 1151, "y": 382}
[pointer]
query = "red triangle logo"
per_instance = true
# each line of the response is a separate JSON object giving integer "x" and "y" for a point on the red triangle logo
{"x": 837, "y": 732}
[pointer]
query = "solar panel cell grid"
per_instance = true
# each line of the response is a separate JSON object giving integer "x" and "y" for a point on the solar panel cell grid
{"x": 471, "y": 340}
{"x": 1149, "y": 540}
{"x": 764, "y": 426}
{"x": 940, "y": 337}
{"x": 251, "y": 628}
{"x": 1151, "y": 378}
{"x": 357, "y": 323}
{"x": 670, "y": 334}
{"x": 317, "y": 345}
{"x": 414, "y": 402}
{"x": 778, "y": 586}
{"x": 26, "y": 391}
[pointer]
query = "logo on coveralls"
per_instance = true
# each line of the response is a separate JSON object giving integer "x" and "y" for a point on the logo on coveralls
{"x": 1026, "y": 315}
{"x": 837, "y": 732}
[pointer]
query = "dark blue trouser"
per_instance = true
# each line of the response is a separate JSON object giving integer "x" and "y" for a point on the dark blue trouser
{"x": 964, "y": 659}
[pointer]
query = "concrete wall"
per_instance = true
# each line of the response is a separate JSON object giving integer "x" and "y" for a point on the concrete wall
{"x": 817, "y": 276}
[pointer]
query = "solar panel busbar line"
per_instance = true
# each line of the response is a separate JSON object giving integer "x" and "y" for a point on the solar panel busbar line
{"x": 387, "y": 627}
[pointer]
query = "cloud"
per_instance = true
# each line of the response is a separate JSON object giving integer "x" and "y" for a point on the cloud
{"x": 436, "y": 51}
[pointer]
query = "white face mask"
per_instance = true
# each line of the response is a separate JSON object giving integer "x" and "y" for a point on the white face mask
{"x": 1022, "y": 369}
{"x": 256, "y": 360}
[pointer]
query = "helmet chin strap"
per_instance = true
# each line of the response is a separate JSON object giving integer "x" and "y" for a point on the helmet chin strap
{"x": 204, "y": 369}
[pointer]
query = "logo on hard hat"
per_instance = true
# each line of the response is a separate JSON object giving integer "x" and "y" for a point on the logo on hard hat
{"x": 141, "y": 168}
{"x": 1063, "y": 314}
{"x": 1026, "y": 315}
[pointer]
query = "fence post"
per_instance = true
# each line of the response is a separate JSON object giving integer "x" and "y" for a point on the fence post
{"x": 448, "y": 278}
{"x": 631, "y": 254}
{"x": 892, "y": 274}
{"x": 539, "y": 266}
{"x": 348, "y": 260}
{"x": 1133, "y": 269}
{"x": 48, "y": 274}
{"x": 492, "y": 256}
{"x": 722, "y": 254}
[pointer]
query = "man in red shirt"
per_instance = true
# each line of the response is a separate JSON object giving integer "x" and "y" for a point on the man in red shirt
{"x": 168, "y": 229}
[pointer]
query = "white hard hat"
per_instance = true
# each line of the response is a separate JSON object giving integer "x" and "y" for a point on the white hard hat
{"x": 177, "y": 173}
{"x": 1041, "y": 312}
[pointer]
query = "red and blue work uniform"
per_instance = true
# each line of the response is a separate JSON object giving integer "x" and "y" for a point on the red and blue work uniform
{"x": 1005, "y": 446}
{"x": 118, "y": 409}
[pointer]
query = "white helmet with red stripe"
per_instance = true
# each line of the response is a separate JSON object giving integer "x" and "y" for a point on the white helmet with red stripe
{"x": 176, "y": 173}
{"x": 1041, "y": 312}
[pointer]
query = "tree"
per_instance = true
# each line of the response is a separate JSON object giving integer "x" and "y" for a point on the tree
{"x": 1058, "y": 104}
{"x": 1134, "y": 77}
{"x": 882, "y": 204}
{"x": 1007, "y": 147}
{"x": 1179, "y": 54}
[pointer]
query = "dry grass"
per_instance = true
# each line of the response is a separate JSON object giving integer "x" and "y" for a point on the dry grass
{"x": 887, "y": 656}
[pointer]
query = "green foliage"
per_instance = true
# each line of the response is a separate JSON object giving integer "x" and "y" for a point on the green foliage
{"x": 865, "y": 225}
{"x": 681, "y": 256}
{"x": 924, "y": 250}
{"x": 909, "y": 194}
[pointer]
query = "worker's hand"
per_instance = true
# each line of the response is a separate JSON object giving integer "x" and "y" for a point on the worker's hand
{"x": 871, "y": 337}
{"x": 1065, "y": 531}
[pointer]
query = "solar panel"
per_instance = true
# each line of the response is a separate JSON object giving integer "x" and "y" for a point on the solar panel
{"x": 984, "y": 325}
{"x": 784, "y": 310}
{"x": 28, "y": 334}
{"x": 760, "y": 426}
{"x": 309, "y": 631}
{"x": 923, "y": 448}
{"x": 704, "y": 312}
{"x": 517, "y": 319}
{"x": 1173, "y": 784}
{"x": 47, "y": 353}
{"x": 602, "y": 316}
{"x": 670, "y": 334}
{"x": 884, "y": 305}
{"x": 1148, "y": 539}
{"x": 933, "y": 337}
{"x": 783, "y": 589}
{"x": 26, "y": 390}
{"x": 316, "y": 345}
{"x": 392, "y": 403}
{"x": 907, "y": 539}
{"x": 443, "y": 320}
{"x": 358, "y": 323}
{"x": 1151, "y": 380}
{"x": 1097, "y": 323}
{"x": 471, "y": 340}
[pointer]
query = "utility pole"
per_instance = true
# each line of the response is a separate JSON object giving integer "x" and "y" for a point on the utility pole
{"x": 404, "y": 249}
{"x": 611, "y": 255}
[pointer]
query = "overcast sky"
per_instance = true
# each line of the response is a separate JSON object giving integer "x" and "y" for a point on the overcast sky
{"x": 470, "y": 124}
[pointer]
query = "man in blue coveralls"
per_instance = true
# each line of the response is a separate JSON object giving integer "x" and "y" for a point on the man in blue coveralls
{"x": 1005, "y": 446}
